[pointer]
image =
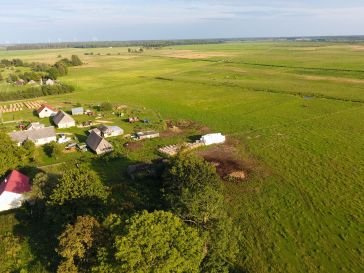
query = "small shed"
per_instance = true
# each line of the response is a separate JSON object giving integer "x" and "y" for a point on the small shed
{"x": 109, "y": 131}
{"x": 49, "y": 82}
{"x": 210, "y": 139}
{"x": 35, "y": 126}
{"x": 77, "y": 111}
{"x": 147, "y": 135}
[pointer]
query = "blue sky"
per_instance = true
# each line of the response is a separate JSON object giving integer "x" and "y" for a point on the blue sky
{"x": 80, "y": 20}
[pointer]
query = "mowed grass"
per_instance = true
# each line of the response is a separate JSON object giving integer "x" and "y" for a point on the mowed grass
{"x": 301, "y": 210}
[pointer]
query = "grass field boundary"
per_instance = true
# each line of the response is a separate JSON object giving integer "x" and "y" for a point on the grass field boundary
{"x": 264, "y": 64}
{"x": 284, "y": 92}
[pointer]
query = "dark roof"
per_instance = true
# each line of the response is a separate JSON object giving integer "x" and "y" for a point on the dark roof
{"x": 96, "y": 142}
{"x": 21, "y": 136}
{"x": 15, "y": 182}
{"x": 105, "y": 129}
{"x": 62, "y": 117}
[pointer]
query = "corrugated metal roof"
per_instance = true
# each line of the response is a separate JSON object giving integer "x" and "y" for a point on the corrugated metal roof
{"x": 21, "y": 136}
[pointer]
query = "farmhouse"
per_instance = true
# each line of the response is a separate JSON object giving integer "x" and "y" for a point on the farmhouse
{"x": 12, "y": 190}
{"x": 46, "y": 111}
{"x": 35, "y": 126}
{"x": 77, "y": 111}
{"x": 98, "y": 144}
{"x": 20, "y": 82}
{"x": 62, "y": 120}
{"x": 108, "y": 131}
{"x": 147, "y": 134}
{"x": 210, "y": 139}
{"x": 49, "y": 82}
{"x": 39, "y": 136}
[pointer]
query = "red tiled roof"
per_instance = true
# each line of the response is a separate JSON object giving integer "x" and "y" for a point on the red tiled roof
{"x": 44, "y": 106}
{"x": 15, "y": 182}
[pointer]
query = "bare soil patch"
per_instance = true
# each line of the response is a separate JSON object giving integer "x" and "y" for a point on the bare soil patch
{"x": 172, "y": 131}
{"x": 133, "y": 146}
{"x": 189, "y": 54}
{"x": 227, "y": 161}
{"x": 357, "y": 47}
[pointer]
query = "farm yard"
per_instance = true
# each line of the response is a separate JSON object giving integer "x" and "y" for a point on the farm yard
{"x": 294, "y": 116}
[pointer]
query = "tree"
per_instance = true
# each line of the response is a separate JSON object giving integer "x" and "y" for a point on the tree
{"x": 53, "y": 150}
{"x": 222, "y": 247}
{"x": 193, "y": 189}
{"x": 78, "y": 183}
{"x": 10, "y": 154}
{"x": 62, "y": 68}
{"x": 75, "y": 60}
{"x": 29, "y": 148}
{"x": 53, "y": 73}
{"x": 12, "y": 78}
{"x": 1, "y": 77}
{"x": 76, "y": 244}
{"x": 106, "y": 106}
{"x": 158, "y": 242}
{"x": 42, "y": 186}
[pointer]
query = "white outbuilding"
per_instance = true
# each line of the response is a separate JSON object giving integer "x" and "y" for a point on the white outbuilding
{"x": 46, "y": 111}
{"x": 210, "y": 139}
{"x": 12, "y": 190}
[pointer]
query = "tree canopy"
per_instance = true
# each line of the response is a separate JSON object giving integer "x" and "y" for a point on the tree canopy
{"x": 193, "y": 189}
{"x": 10, "y": 154}
{"x": 76, "y": 242}
{"x": 78, "y": 183}
{"x": 158, "y": 242}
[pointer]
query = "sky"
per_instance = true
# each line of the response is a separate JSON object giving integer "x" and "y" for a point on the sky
{"x": 29, "y": 21}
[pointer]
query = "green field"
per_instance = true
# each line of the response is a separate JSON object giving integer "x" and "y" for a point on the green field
{"x": 295, "y": 109}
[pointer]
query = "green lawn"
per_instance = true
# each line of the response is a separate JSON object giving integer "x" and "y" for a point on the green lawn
{"x": 302, "y": 208}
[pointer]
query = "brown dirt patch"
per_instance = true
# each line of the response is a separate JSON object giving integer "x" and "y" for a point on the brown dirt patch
{"x": 357, "y": 47}
{"x": 133, "y": 146}
{"x": 227, "y": 162}
{"x": 334, "y": 79}
{"x": 172, "y": 131}
{"x": 189, "y": 54}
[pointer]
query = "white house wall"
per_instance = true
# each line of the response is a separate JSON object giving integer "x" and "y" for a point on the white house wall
{"x": 66, "y": 125}
{"x": 10, "y": 200}
{"x": 46, "y": 113}
{"x": 43, "y": 141}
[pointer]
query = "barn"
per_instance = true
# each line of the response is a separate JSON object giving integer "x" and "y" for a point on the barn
{"x": 62, "y": 120}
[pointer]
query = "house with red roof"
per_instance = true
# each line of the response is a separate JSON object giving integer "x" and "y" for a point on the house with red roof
{"x": 46, "y": 111}
{"x": 12, "y": 190}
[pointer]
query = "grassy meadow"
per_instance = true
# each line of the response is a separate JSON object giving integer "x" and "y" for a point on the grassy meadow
{"x": 296, "y": 113}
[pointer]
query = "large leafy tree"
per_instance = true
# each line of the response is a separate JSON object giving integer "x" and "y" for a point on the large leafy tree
{"x": 77, "y": 244}
{"x": 158, "y": 242}
{"x": 76, "y": 184}
{"x": 193, "y": 189}
{"x": 10, "y": 154}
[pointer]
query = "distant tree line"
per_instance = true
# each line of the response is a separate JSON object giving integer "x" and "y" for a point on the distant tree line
{"x": 40, "y": 71}
{"x": 37, "y": 91}
{"x": 143, "y": 43}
